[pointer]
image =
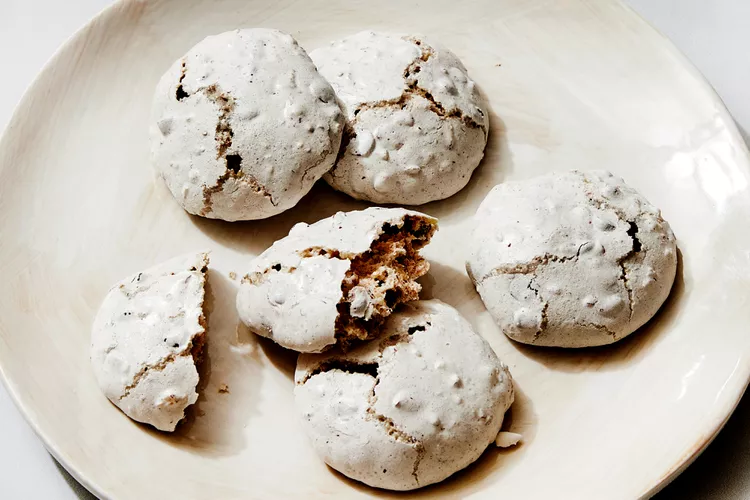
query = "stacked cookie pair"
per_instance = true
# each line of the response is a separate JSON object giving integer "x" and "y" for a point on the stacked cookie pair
{"x": 244, "y": 124}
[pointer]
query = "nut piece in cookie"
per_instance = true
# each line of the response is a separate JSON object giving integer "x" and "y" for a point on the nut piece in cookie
{"x": 333, "y": 282}
{"x": 416, "y": 124}
{"x": 147, "y": 340}
{"x": 407, "y": 409}
{"x": 243, "y": 125}
{"x": 571, "y": 259}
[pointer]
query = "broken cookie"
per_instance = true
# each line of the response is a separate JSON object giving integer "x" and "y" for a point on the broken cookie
{"x": 410, "y": 408}
{"x": 571, "y": 259}
{"x": 147, "y": 339}
{"x": 243, "y": 125}
{"x": 333, "y": 282}
{"x": 416, "y": 123}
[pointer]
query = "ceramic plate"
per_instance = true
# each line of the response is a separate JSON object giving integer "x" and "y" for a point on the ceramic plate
{"x": 571, "y": 84}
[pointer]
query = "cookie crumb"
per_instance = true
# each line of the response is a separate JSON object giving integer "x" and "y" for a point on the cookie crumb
{"x": 507, "y": 439}
{"x": 232, "y": 275}
{"x": 223, "y": 389}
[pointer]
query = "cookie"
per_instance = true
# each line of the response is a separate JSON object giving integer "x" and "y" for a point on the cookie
{"x": 335, "y": 281}
{"x": 147, "y": 339}
{"x": 572, "y": 259}
{"x": 410, "y": 408}
{"x": 243, "y": 125}
{"x": 416, "y": 123}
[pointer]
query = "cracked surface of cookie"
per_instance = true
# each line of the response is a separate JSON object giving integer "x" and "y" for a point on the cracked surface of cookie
{"x": 416, "y": 123}
{"x": 409, "y": 408}
{"x": 334, "y": 281}
{"x": 571, "y": 259}
{"x": 243, "y": 125}
{"x": 147, "y": 339}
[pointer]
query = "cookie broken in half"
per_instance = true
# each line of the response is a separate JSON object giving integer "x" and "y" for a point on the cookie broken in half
{"x": 147, "y": 340}
{"x": 335, "y": 281}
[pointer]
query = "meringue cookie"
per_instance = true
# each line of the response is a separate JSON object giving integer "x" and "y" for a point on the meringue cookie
{"x": 571, "y": 259}
{"x": 148, "y": 337}
{"x": 243, "y": 125}
{"x": 410, "y": 408}
{"x": 336, "y": 280}
{"x": 416, "y": 123}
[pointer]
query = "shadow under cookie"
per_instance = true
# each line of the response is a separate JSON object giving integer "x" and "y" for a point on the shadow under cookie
{"x": 231, "y": 375}
{"x": 492, "y": 170}
{"x": 253, "y": 237}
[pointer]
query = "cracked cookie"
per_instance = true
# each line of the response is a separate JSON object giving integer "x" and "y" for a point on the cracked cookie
{"x": 147, "y": 339}
{"x": 416, "y": 124}
{"x": 571, "y": 259}
{"x": 243, "y": 125}
{"x": 333, "y": 282}
{"x": 410, "y": 408}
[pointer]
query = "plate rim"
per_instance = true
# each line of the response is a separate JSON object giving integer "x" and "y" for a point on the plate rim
{"x": 721, "y": 417}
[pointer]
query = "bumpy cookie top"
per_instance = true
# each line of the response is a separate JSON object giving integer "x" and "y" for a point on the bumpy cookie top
{"x": 571, "y": 259}
{"x": 410, "y": 408}
{"x": 417, "y": 124}
{"x": 292, "y": 289}
{"x": 142, "y": 338}
{"x": 243, "y": 125}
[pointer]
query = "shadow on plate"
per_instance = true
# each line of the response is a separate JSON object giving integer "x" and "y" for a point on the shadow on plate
{"x": 492, "y": 170}
{"x": 622, "y": 353}
{"x": 284, "y": 360}
{"x": 453, "y": 287}
{"x": 230, "y": 379}
{"x": 253, "y": 237}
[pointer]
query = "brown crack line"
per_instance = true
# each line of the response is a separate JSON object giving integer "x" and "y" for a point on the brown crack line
{"x": 372, "y": 369}
{"x": 157, "y": 367}
{"x": 223, "y": 136}
{"x": 543, "y": 324}
{"x": 601, "y": 204}
{"x": 544, "y": 321}
{"x": 545, "y": 306}
{"x": 403, "y": 337}
{"x": 632, "y": 231}
{"x": 531, "y": 266}
{"x": 188, "y": 351}
{"x": 412, "y": 89}
{"x": 598, "y": 327}
{"x": 624, "y": 278}
{"x": 322, "y": 157}
{"x": 257, "y": 278}
{"x": 180, "y": 93}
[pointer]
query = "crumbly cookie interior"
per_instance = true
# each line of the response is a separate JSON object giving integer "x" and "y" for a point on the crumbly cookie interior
{"x": 198, "y": 342}
{"x": 381, "y": 278}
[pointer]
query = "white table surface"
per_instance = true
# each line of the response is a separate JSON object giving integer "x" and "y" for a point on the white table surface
{"x": 714, "y": 34}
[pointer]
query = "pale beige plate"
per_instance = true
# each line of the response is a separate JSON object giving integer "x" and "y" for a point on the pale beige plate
{"x": 572, "y": 84}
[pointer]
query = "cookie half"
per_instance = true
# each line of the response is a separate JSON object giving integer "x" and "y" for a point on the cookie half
{"x": 571, "y": 259}
{"x": 243, "y": 125}
{"x": 147, "y": 340}
{"x": 416, "y": 123}
{"x": 333, "y": 282}
{"x": 410, "y": 408}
